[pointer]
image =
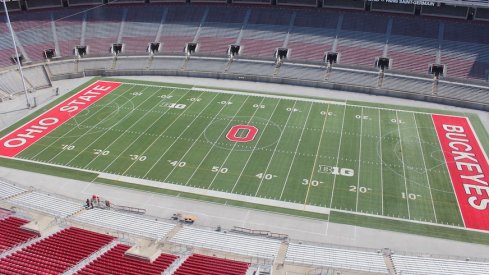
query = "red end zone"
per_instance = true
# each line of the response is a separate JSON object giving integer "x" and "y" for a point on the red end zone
{"x": 29, "y": 133}
{"x": 468, "y": 167}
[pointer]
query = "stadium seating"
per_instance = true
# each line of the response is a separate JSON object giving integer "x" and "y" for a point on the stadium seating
{"x": 133, "y": 224}
{"x": 426, "y": 265}
{"x": 336, "y": 258}
{"x": 198, "y": 264}
{"x": 43, "y": 202}
{"x": 115, "y": 262}
{"x": 239, "y": 244}
{"x": 11, "y": 233}
{"x": 54, "y": 254}
{"x": 8, "y": 190}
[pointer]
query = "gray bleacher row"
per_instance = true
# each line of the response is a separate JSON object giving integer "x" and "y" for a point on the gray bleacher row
{"x": 36, "y": 78}
{"x": 259, "y": 31}
{"x": 298, "y": 253}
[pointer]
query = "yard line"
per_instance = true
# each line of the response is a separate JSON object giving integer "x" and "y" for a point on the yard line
{"x": 99, "y": 136}
{"x": 274, "y": 150}
{"x": 256, "y": 145}
{"x": 89, "y": 117}
{"x": 403, "y": 164}
{"x": 317, "y": 156}
{"x": 174, "y": 141}
{"x": 147, "y": 128}
{"x": 426, "y": 170}
{"x": 231, "y": 151}
{"x": 195, "y": 141}
{"x": 381, "y": 164}
{"x": 337, "y": 162}
{"x": 295, "y": 152}
{"x": 359, "y": 159}
{"x": 212, "y": 147}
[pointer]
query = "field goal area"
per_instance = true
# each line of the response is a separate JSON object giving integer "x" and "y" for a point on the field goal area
{"x": 283, "y": 151}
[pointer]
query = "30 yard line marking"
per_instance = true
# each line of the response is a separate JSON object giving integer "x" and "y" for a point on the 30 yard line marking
{"x": 359, "y": 159}
{"x": 195, "y": 141}
{"x": 232, "y": 149}
{"x": 274, "y": 150}
{"x": 316, "y": 157}
{"x": 256, "y": 145}
{"x": 295, "y": 153}
{"x": 88, "y": 147}
{"x": 381, "y": 164}
{"x": 72, "y": 129}
{"x": 337, "y": 162}
{"x": 214, "y": 144}
{"x": 403, "y": 164}
{"x": 174, "y": 141}
{"x": 426, "y": 169}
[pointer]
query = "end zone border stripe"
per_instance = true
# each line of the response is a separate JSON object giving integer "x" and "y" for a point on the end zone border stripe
{"x": 27, "y": 134}
{"x": 468, "y": 168}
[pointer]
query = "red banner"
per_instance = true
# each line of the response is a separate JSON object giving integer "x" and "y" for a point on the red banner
{"x": 468, "y": 167}
{"x": 20, "y": 139}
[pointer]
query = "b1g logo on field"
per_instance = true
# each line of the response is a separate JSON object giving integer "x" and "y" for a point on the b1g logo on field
{"x": 242, "y": 133}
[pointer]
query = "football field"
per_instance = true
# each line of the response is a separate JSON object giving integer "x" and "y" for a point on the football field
{"x": 329, "y": 154}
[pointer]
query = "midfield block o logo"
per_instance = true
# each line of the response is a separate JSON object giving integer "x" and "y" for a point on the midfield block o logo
{"x": 246, "y": 133}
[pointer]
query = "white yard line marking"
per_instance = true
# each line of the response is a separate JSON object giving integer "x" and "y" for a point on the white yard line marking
{"x": 87, "y": 118}
{"x": 316, "y": 156}
{"x": 232, "y": 149}
{"x": 381, "y": 164}
{"x": 87, "y": 147}
{"x": 147, "y": 128}
{"x": 337, "y": 162}
{"x": 403, "y": 165}
{"x": 256, "y": 145}
{"x": 295, "y": 153}
{"x": 194, "y": 143}
{"x": 274, "y": 151}
{"x": 426, "y": 169}
{"x": 214, "y": 144}
{"x": 359, "y": 159}
{"x": 175, "y": 141}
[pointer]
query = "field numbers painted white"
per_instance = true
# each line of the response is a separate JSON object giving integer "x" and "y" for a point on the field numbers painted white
{"x": 101, "y": 152}
{"x": 265, "y": 176}
{"x": 325, "y": 113}
{"x": 218, "y": 169}
{"x": 136, "y": 93}
{"x": 195, "y": 99}
{"x": 361, "y": 117}
{"x": 311, "y": 182}
{"x": 289, "y": 109}
{"x": 260, "y": 106}
{"x": 138, "y": 157}
{"x": 410, "y": 196}
{"x": 176, "y": 163}
{"x": 165, "y": 96}
{"x": 174, "y": 105}
{"x": 361, "y": 189}
{"x": 337, "y": 171}
{"x": 397, "y": 121}
{"x": 224, "y": 102}
{"x": 68, "y": 147}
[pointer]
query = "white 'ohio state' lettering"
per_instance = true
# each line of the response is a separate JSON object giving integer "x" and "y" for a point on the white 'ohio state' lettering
{"x": 87, "y": 96}
{"x": 465, "y": 161}
{"x": 31, "y": 132}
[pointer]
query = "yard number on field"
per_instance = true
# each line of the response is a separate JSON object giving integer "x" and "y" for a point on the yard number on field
{"x": 138, "y": 157}
{"x": 361, "y": 189}
{"x": 101, "y": 152}
{"x": 177, "y": 163}
{"x": 68, "y": 147}
{"x": 311, "y": 182}
{"x": 410, "y": 196}
{"x": 265, "y": 176}
{"x": 218, "y": 169}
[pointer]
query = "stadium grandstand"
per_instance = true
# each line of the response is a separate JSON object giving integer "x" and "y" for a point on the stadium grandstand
{"x": 244, "y": 137}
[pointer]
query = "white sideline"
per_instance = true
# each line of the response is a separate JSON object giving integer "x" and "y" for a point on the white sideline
{"x": 219, "y": 194}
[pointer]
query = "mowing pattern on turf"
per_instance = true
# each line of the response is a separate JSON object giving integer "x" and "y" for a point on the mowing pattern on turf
{"x": 356, "y": 158}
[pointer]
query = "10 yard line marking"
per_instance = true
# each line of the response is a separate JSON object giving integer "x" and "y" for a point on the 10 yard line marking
{"x": 295, "y": 152}
{"x": 195, "y": 141}
{"x": 274, "y": 150}
{"x": 317, "y": 156}
{"x": 100, "y": 135}
{"x": 213, "y": 144}
{"x": 403, "y": 164}
{"x": 426, "y": 170}
{"x": 359, "y": 159}
{"x": 256, "y": 145}
{"x": 231, "y": 151}
{"x": 175, "y": 141}
{"x": 337, "y": 162}
{"x": 69, "y": 131}
{"x": 381, "y": 164}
